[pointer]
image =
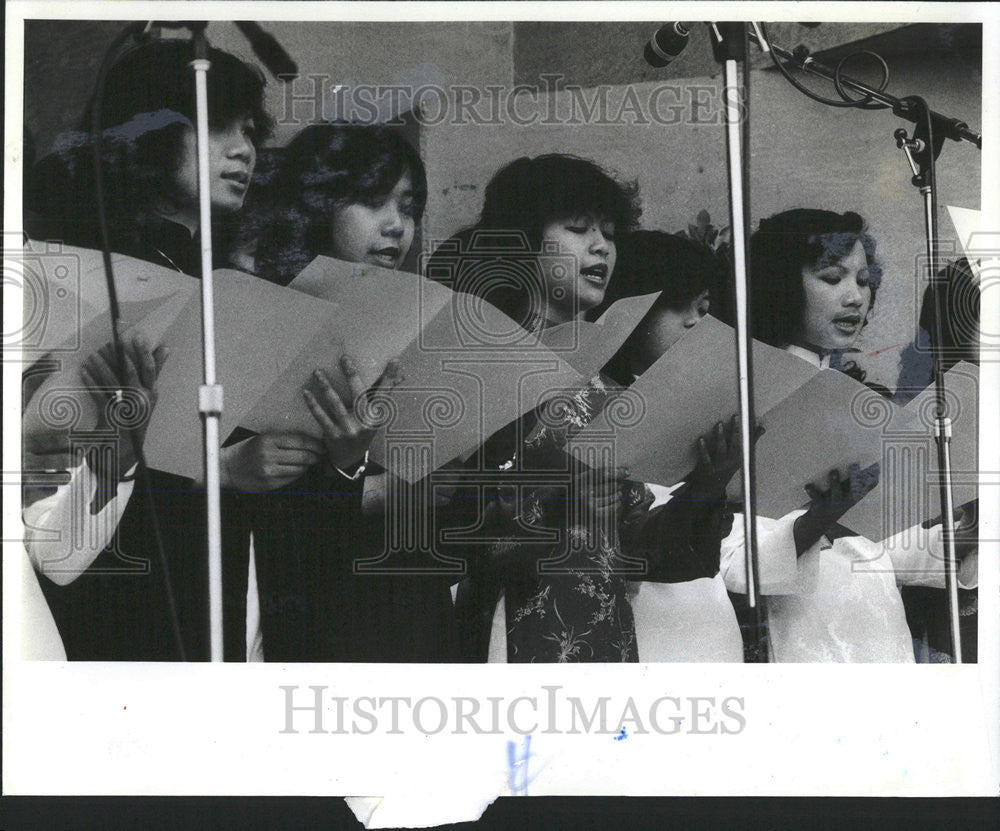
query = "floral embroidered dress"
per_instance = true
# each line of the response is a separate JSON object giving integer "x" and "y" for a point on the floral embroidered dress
{"x": 560, "y": 562}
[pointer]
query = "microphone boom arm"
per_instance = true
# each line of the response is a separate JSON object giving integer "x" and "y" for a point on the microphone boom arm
{"x": 944, "y": 126}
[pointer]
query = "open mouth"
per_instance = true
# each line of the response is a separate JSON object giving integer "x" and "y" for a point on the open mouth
{"x": 385, "y": 256}
{"x": 595, "y": 273}
{"x": 847, "y": 324}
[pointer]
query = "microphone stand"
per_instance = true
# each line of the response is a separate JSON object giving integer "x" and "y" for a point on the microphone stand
{"x": 921, "y": 152}
{"x": 873, "y": 98}
{"x": 210, "y": 397}
{"x": 729, "y": 41}
{"x": 729, "y": 46}
{"x": 210, "y": 392}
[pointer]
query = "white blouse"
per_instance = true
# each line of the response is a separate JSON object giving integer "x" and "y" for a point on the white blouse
{"x": 839, "y": 601}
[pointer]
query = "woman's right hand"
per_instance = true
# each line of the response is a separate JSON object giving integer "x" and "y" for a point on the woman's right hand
{"x": 48, "y": 448}
{"x": 268, "y": 461}
{"x": 348, "y": 425}
{"x": 720, "y": 456}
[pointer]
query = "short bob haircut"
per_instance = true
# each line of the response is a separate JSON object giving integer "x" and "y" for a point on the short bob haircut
{"x": 148, "y": 101}
{"x": 496, "y": 259}
{"x": 527, "y": 194}
{"x": 323, "y": 169}
{"x": 782, "y": 246}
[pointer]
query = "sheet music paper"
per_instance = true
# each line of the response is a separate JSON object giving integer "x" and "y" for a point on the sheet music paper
{"x": 589, "y": 346}
{"x": 680, "y": 397}
{"x": 907, "y": 493}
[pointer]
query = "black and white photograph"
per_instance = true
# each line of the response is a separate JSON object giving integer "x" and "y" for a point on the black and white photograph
{"x": 364, "y": 347}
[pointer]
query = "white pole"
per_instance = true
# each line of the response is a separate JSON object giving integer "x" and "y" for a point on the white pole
{"x": 733, "y": 145}
{"x": 210, "y": 393}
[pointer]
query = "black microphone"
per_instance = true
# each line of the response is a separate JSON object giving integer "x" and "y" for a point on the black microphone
{"x": 144, "y": 32}
{"x": 271, "y": 53}
{"x": 666, "y": 44}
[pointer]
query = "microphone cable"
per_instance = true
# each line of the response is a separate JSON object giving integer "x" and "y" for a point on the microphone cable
{"x": 142, "y": 472}
{"x": 847, "y": 101}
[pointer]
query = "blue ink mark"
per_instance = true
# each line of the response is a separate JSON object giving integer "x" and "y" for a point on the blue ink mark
{"x": 517, "y": 767}
{"x": 622, "y": 735}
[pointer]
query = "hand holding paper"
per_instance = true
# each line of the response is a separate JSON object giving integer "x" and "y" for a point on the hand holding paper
{"x": 720, "y": 455}
{"x": 110, "y": 403}
{"x": 142, "y": 366}
{"x": 95, "y": 386}
{"x": 371, "y": 313}
{"x": 828, "y": 506}
{"x": 268, "y": 461}
{"x": 348, "y": 427}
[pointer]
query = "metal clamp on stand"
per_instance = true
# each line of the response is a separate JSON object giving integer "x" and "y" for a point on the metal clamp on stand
{"x": 911, "y": 147}
{"x": 210, "y": 399}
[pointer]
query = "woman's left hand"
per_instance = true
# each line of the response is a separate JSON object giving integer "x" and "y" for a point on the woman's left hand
{"x": 142, "y": 365}
{"x": 346, "y": 432}
{"x": 826, "y": 507}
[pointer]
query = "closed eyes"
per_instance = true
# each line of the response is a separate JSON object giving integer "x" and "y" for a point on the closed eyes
{"x": 607, "y": 232}
{"x": 833, "y": 279}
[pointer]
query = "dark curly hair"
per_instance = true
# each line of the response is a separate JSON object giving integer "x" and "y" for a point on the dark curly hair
{"x": 149, "y": 100}
{"x": 782, "y": 246}
{"x": 324, "y": 168}
{"x": 496, "y": 259}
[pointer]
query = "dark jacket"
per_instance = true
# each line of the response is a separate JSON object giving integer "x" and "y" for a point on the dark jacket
{"x": 329, "y": 591}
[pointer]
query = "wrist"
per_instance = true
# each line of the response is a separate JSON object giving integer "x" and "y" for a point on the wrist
{"x": 807, "y": 531}
{"x": 356, "y": 470}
